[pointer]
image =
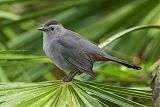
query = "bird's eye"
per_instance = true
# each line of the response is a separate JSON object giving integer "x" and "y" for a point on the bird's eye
{"x": 52, "y": 28}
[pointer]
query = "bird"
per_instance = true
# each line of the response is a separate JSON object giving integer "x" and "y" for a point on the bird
{"x": 71, "y": 52}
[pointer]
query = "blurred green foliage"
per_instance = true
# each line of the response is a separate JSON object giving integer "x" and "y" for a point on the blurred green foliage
{"x": 22, "y": 58}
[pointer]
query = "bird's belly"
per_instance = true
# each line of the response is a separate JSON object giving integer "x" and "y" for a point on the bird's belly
{"x": 60, "y": 62}
{"x": 58, "y": 59}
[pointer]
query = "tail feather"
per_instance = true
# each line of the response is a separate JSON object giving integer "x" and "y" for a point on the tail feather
{"x": 125, "y": 63}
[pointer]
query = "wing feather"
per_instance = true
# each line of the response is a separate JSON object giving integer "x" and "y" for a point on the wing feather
{"x": 75, "y": 55}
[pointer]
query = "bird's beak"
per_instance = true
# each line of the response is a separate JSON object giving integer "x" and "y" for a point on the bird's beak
{"x": 41, "y": 28}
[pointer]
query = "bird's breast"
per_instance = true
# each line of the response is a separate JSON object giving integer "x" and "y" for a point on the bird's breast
{"x": 52, "y": 50}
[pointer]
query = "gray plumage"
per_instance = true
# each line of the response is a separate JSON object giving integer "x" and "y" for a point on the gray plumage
{"x": 71, "y": 52}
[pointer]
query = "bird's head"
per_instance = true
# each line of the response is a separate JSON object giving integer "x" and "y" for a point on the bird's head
{"x": 51, "y": 27}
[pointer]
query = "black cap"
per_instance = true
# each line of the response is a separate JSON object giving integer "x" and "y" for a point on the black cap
{"x": 52, "y": 22}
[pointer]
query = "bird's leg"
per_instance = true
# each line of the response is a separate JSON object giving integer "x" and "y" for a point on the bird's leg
{"x": 70, "y": 76}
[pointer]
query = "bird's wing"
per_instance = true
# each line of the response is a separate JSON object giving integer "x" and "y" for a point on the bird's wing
{"x": 74, "y": 54}
{"x": 81, "y": 48}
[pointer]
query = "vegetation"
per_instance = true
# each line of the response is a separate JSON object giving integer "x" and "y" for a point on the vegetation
{"x": 128, "y": 29}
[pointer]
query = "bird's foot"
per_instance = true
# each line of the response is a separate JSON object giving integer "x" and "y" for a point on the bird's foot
{"x": 67, "y": 79}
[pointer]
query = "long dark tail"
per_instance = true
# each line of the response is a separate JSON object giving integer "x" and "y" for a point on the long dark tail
{"x": 125, "y": 63}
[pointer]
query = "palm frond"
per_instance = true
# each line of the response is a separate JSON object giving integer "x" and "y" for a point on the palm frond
{"x": 62, "y": 94}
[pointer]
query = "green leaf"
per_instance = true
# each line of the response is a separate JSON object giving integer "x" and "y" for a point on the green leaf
{"x": 24, "y": 57}
{"x": 63, "y": 94}
{"x": 109, "y": 96}
{"x": 120, "y": 34}
{"x": 120, "y": 90}
{"x": 8, "y": 15}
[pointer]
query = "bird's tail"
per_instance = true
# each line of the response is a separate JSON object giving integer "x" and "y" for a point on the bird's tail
{"x": 125, "y": 63}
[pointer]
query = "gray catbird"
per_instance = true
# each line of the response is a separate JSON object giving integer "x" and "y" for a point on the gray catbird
{"x": 71, "y": 52}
